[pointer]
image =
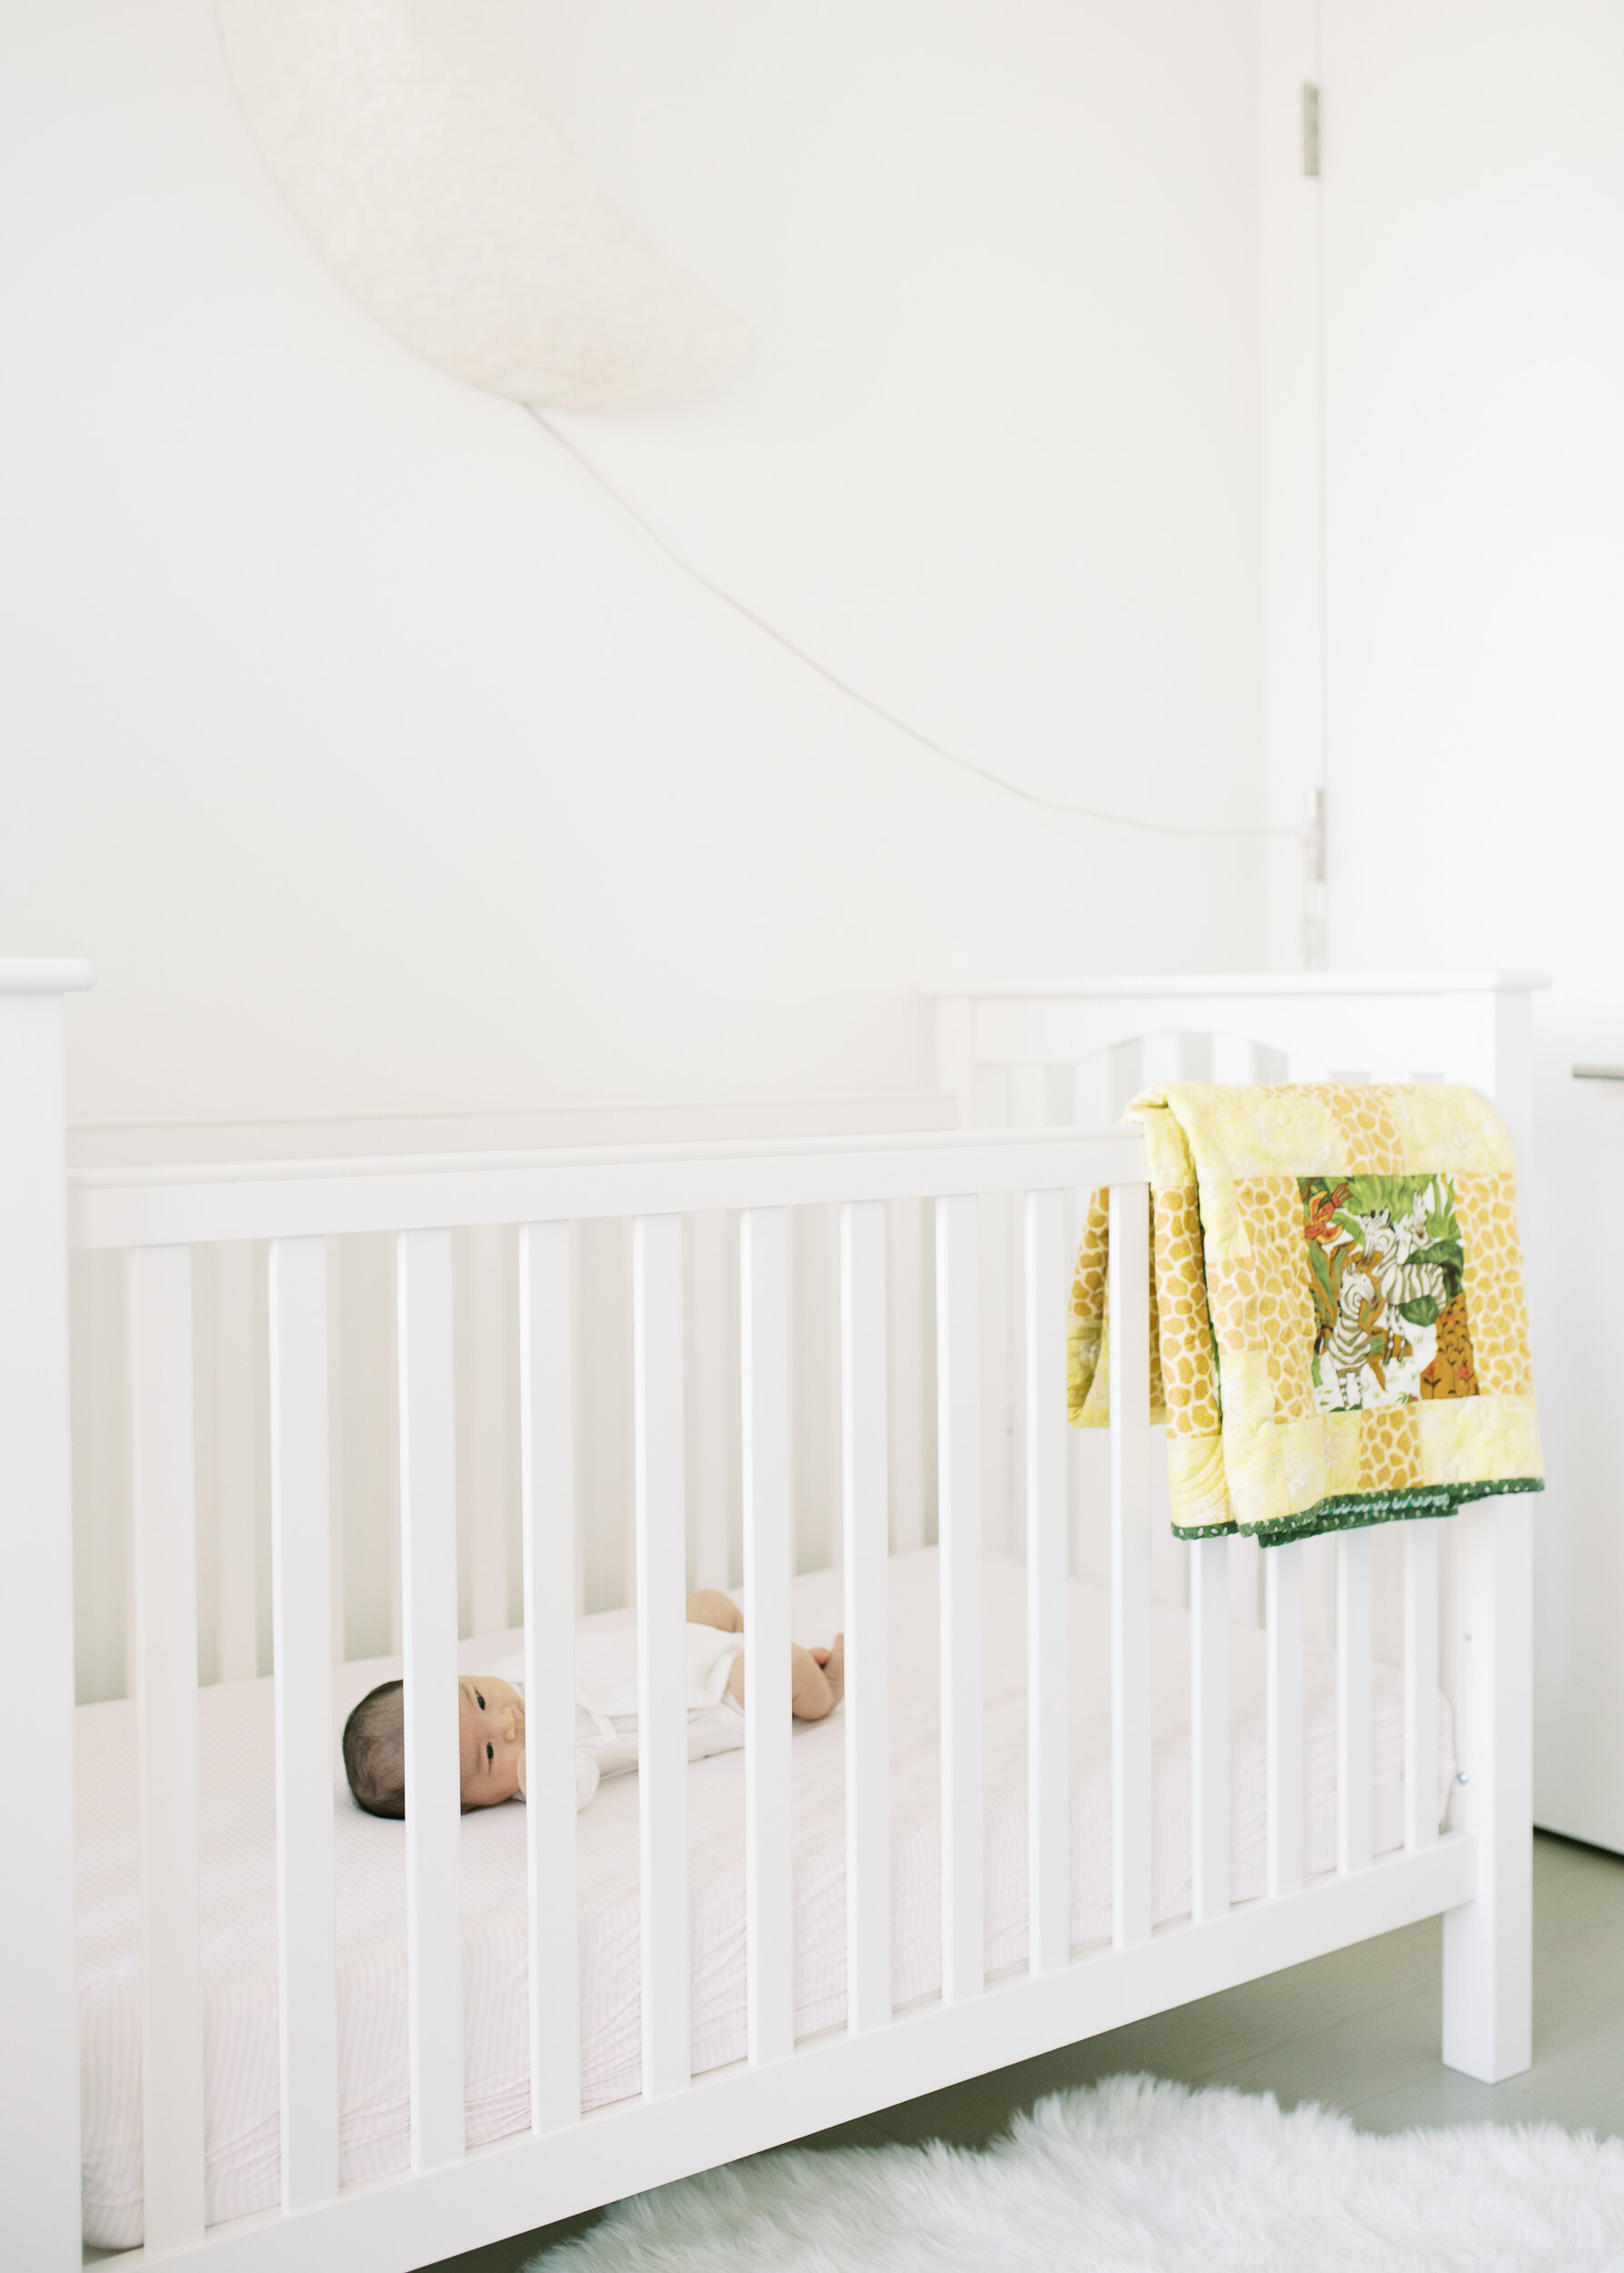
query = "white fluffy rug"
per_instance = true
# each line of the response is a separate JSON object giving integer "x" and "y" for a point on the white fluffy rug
{"x": 1141, "y": 2177}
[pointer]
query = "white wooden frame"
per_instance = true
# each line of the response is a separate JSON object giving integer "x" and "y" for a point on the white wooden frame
{"x": 1475, "y": 1875}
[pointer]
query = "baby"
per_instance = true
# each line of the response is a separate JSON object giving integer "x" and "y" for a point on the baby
{"x": 492, "y": 1710}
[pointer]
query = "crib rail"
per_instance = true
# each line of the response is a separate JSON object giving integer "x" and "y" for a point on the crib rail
{"x": 451, "y": 2201}
{"x": 301, "y": 1199}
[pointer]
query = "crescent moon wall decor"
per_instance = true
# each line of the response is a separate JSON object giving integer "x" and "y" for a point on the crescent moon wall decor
{"x": 414, "y": 142}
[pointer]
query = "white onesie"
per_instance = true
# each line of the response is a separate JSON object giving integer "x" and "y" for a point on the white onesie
{"x": 606, "y": 1698}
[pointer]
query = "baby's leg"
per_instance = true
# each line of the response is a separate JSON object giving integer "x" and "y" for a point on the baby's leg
{"x": 711, "y": 1606}
{"x": 816, "y": 1679}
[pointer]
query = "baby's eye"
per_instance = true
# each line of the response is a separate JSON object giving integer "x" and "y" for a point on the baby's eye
{"x": 490, "y": 1752}
{"x": 479, "y": 1700}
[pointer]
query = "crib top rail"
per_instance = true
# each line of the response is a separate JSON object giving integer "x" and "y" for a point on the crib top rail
{"x": 292, "y": 1199}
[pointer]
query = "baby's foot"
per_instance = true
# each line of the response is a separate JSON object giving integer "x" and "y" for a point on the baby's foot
{"x": 820, "y": 1679}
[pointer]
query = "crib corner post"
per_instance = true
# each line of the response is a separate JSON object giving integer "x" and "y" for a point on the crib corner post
{"x": 1513, "y": 1091}
{"x": 1488, "y": 2023}
{"x": 39, "y": 2019}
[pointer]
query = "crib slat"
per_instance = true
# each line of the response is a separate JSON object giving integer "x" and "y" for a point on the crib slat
{"x": 235, "y": 1461}
{"x": 1209, "y": 1727}
{"x": 662, "y": 1671}
{"x": 959, "y": 1526}
{"x": 1246, "y": 1582}
{"x": 906, "y": 1360}
{"x": 709, "y": 1396}
{"x": 1049, "y": 1812}
{"x": 335, "y": 1494}
{"x": 487, "y": 1424}
{"x": 1092, "y": 1101}
{"x": 1130, "y": 1305}
{"x": 865, "y": 1546}
{"x": 433, "y": 1753}
{"x": 1420, "y": 1684}
{"x": 546, "y": 1497}
{"x": 1283, "y": 1613}
{"x": 1353, "y": 1701}
{"x": 302, "y": 1625}
{"x": 165, "y": 1636}
{"x": 1028, "y": 1096}
{"x": 769, "y": 1826}
{"x": 1320, "y": 1590}
{"x": 1234, "y": 1059}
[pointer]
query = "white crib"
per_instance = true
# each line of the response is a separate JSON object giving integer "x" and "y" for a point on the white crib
{"x": 1477, "y": 1874}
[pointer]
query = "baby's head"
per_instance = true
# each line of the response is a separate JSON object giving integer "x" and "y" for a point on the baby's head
{"x": 374, "y": 1750}
{"x": 491, "y": 1741}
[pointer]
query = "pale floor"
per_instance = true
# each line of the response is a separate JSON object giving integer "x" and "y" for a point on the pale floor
{"x": 1358, "y": 2029}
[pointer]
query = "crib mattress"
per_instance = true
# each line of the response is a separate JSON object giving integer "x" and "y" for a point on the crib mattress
{"x": 238, "y": 1882}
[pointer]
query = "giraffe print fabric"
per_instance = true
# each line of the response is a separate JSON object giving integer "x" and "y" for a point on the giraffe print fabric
{"x": 1338, "y": 1329}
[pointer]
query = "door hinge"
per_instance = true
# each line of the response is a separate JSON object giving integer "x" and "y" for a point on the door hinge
{"x": 1310, "y": 130}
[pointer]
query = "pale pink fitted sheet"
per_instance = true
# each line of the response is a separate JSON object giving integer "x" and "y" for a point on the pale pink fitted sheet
{"x": 238, "y": 1865}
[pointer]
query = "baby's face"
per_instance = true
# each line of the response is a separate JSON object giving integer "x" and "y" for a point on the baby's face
{"x": 493, "y": 1740}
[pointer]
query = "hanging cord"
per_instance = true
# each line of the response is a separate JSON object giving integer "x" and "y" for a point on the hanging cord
{"x": 866, "y": 702}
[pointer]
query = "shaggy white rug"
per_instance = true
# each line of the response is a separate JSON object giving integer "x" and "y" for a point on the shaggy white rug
{"x": 1137, "y": 2176}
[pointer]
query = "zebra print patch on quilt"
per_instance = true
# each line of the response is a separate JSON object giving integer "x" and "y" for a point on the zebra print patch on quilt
{"x": 1387, "y": 1271}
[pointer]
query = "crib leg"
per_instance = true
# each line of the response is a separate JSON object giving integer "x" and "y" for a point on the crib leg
{"x": 1488, "y": 1942}
{"x": 39, "y": 2001}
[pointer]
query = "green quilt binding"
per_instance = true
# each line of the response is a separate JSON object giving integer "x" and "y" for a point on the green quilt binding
{"x": 1355, "y": 1511}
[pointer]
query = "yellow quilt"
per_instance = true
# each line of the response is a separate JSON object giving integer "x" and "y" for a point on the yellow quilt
{"x": 1339, "y": 1333}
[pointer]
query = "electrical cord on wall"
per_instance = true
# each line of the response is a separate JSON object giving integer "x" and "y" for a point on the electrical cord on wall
{"x": 866, "y": 702}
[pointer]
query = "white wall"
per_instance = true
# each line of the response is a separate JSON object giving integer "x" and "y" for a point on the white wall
{"x": 1474, "y": 267}
{"x": 378, "y": 763}
{"x": 1291, "y": 246}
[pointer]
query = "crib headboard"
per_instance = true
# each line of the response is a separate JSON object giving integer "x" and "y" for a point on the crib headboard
{"x": 1017, "y": 1053}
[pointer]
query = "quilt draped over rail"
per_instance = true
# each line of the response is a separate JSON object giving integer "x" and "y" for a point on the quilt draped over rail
{"x": 1339, "y": 1333}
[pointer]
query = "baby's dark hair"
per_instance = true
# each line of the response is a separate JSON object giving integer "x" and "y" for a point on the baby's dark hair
{"x": 374, "y": 1750}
